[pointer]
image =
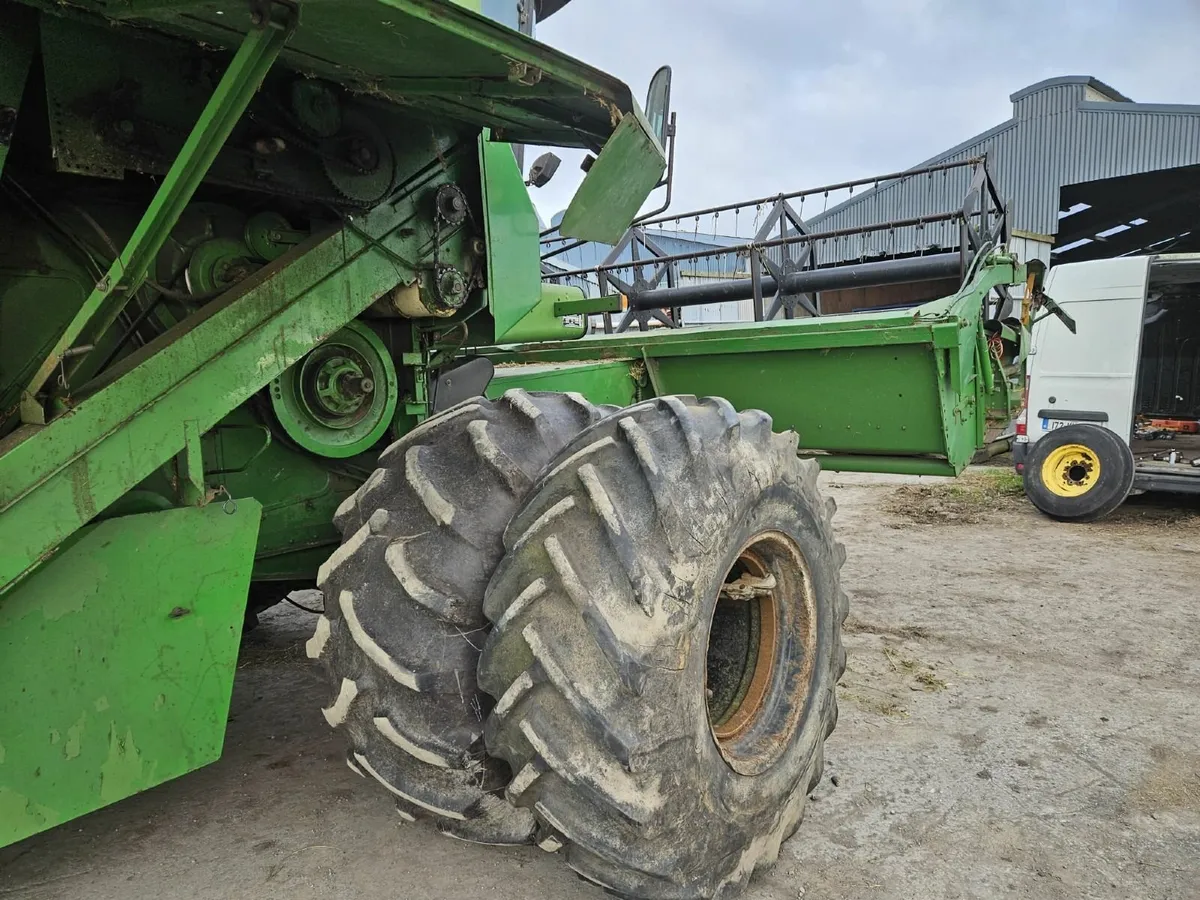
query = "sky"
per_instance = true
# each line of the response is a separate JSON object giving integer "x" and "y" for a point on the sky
{"x": 777, "y": 95}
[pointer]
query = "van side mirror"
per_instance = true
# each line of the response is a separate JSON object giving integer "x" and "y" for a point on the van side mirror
{"x": 658, "y": 104}
{"x": 542, "y": 170}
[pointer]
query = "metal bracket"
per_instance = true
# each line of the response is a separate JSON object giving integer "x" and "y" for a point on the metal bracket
{"x": 633, "y": 239}
{"x": 651, "y": 365}
{"x": 783, "y": 215}
{"x": 273, "y": 25}
{"x": 192, "y": 489}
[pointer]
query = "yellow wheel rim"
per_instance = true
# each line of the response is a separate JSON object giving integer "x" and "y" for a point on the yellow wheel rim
{"x": 1071, "y": 470}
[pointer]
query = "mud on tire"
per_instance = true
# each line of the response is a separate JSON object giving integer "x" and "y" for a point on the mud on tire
{"x": 403, "y": 598}
{"x": 663, "y": 732}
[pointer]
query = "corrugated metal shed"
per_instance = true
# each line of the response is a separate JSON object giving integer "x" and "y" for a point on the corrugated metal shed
{"x": 1063, "y": 131}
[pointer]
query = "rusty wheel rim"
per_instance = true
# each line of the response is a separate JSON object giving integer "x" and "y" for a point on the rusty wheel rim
{"x": 766, "y": 594}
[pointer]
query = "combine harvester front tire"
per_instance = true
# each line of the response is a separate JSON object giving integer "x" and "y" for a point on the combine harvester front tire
{"x": 666, "y": 642}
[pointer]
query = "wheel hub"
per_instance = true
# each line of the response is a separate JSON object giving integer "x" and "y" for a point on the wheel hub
{"x": 340, "y": 387}
{"x": 1071, "y": 470}
{"x": 744, "y": 643}
{"x": 340, "y": 398}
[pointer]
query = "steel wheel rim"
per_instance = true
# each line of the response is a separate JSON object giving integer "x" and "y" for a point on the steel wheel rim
{"x": 1071, "y": 470}
{"x": 742, "y": 687}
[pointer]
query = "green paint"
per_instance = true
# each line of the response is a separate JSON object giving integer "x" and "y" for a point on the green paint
{"x": 155, "y": 643}
{"x": 587, "y": 306}
{"x": 544, "y": 322}
{"x": 618, "y": 183}
{"x": 16, "y": 807}
{"x": 442, "y": 59}
{"x": 116, "y": 666}
{"x": 898, "y": 390}
{"x": 514, "y": 280}
{"x": 123, "y": 771}
{"x": 606, "y": 382}
{"x": 75, "y": 737}
{"x": 321, "y": 402}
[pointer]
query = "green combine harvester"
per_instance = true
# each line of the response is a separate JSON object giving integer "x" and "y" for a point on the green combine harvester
{"x": 272, "y": 315}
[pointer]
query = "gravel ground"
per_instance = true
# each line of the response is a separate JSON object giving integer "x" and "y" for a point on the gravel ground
{"x": 1019, "y": 718}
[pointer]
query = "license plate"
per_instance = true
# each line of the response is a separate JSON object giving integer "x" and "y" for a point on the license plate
{"x": 1051, "y": 424}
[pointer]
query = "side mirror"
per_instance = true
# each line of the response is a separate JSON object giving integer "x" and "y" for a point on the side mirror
{"x": 658, "y": 104}
{"x": 543, "y": 170}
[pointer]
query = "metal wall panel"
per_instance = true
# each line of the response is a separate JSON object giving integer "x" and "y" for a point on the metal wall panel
{"x": 1055, "y": 137}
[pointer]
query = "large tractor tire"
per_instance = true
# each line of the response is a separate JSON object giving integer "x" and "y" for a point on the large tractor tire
{"x": 403, "y": 620}
{"x": 1079, "y": 473}
{"x": 666, "y": 642}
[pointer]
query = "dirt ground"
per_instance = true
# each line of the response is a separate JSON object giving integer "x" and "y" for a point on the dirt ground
{"x": 1019, "y": 718}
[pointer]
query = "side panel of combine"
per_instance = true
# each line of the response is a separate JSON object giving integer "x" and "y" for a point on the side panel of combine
{"x": 115, "y": 668}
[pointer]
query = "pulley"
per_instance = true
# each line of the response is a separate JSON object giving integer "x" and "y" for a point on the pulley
{"x": 339, "y": 399}
{"x": 218, "y": 264}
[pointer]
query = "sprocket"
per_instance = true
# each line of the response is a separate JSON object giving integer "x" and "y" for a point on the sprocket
{"x": 359, "y": 161}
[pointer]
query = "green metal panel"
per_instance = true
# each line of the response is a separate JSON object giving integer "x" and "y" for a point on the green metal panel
{"x": 618, "y": 183}
{"x": 603, "y": 382}
{"x": 901, "y": 390}
{"x": 843, "y": 400}
{"x": 545, "y": 321}
{"x": 514, "y": 279}
{"x": 56, "y": 478}
{"x": 116, "y": 669}
{"x": 18, "y": 40}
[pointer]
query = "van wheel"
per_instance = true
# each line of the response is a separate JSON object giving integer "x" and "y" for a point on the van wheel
{"x": 1079, "y": 473}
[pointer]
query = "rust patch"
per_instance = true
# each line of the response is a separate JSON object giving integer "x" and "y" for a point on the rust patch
{"x": 768, "y": 637}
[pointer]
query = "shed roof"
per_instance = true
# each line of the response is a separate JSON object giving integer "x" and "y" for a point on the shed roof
{"x": 1066, "y": 131}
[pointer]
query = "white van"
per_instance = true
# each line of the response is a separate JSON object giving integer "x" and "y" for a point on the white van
{"x": 1115, "y": 407}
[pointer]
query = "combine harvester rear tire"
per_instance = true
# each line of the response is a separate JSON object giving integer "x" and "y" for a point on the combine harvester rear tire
{"x": 666, "y": 642}
{"x": 403, "y": 619}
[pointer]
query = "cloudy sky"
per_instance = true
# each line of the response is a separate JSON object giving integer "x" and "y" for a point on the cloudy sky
{"x": 775, "y": 95}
